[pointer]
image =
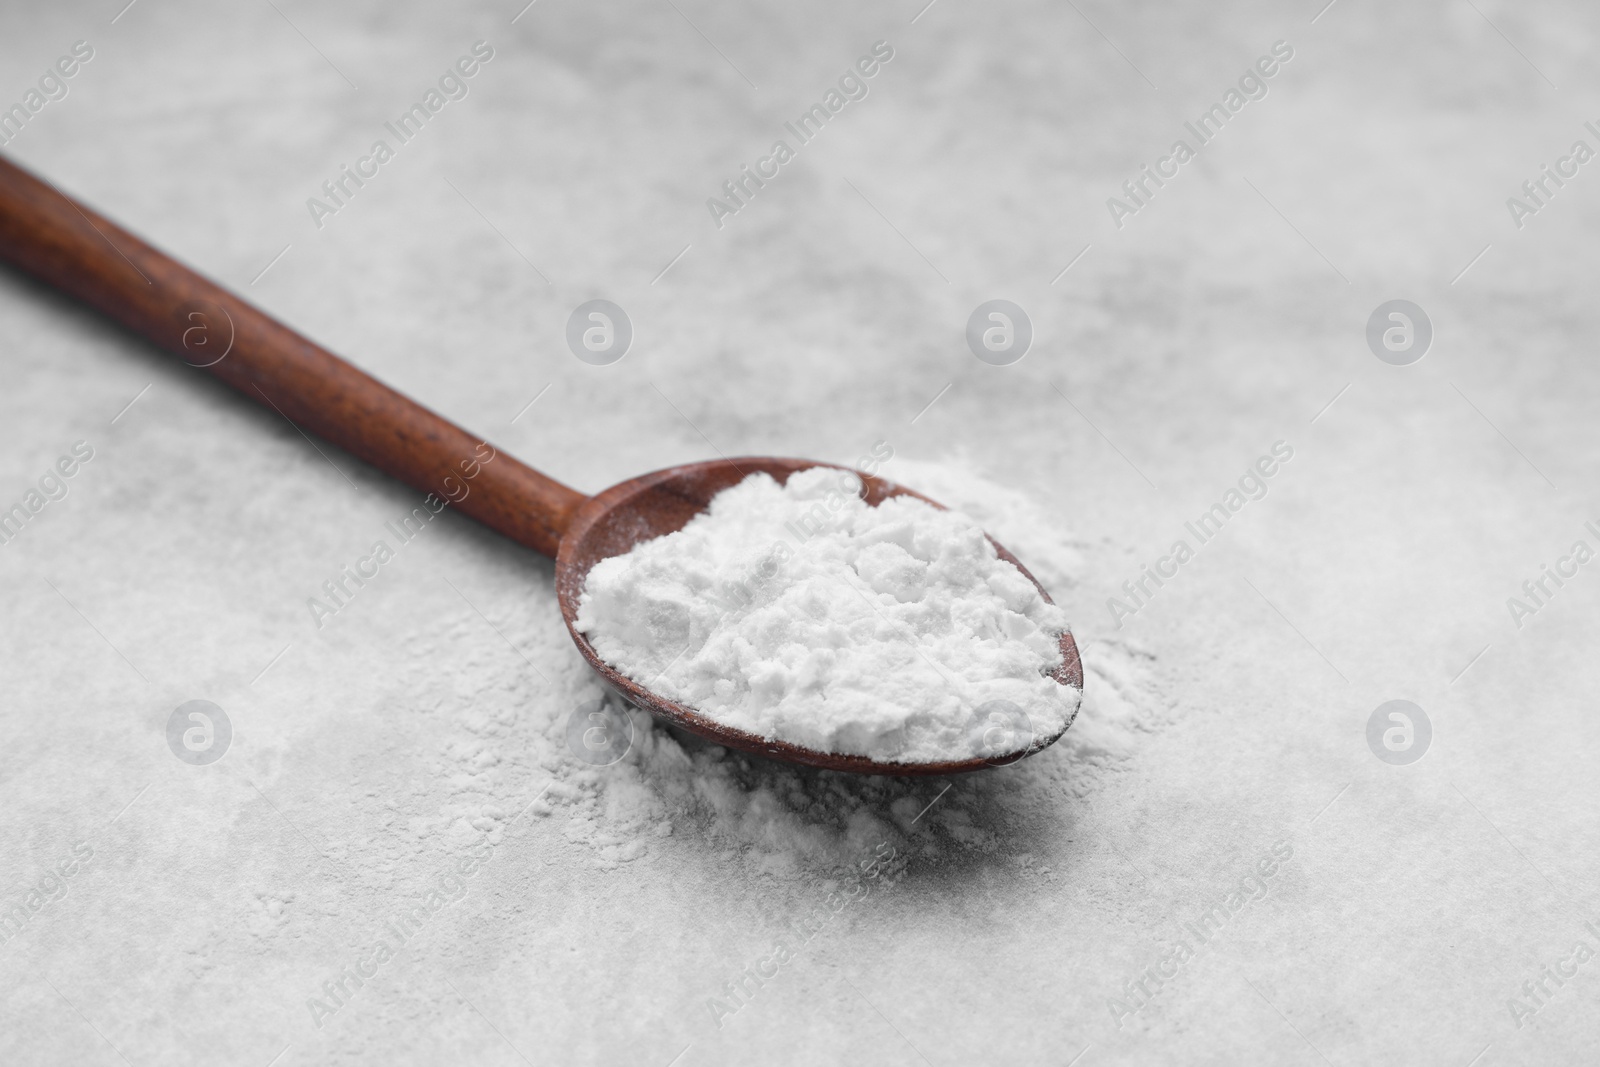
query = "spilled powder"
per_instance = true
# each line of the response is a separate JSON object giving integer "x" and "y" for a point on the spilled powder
{"x": 798, "y": 612}
{"x": 508, "y": 737}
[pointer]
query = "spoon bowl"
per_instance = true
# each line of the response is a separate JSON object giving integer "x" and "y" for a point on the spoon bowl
{"x": 69, "y": 246}
{"x": 656, "y": 504}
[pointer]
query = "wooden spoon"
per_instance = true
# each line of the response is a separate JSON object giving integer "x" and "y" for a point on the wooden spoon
{"x": 82, "y": 253}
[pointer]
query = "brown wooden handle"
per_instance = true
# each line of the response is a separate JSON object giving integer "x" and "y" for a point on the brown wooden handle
{"x": 61, "y": 242}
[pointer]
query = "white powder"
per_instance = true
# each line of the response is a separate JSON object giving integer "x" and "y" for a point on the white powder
{"x": 799, "y": 613}
{"x": 493, "y": 735}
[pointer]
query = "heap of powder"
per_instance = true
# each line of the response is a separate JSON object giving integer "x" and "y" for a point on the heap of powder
{"x": 493, "y": 733}
{"x": 796, "y": 612}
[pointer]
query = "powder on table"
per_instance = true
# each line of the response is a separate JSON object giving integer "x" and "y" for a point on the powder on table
{"x": 882, "y": 634}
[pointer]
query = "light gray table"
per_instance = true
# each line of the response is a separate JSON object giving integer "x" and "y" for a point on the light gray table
{"x": 609, "y": 907}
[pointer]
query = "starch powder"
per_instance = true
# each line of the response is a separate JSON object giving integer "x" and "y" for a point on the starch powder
{"x": 796, "y": 612}
{"x": 507, "y": 747}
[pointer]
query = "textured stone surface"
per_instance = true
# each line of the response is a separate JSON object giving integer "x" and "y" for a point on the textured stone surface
{"x": 427, "y": 720}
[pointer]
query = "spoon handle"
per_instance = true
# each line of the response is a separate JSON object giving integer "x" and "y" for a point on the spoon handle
{"x": 81, "y": 253}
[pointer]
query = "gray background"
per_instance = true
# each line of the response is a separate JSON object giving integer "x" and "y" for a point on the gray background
{"x": 1229, "y": 715}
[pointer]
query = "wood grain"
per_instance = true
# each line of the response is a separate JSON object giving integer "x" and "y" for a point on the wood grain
{"x": 76, "y": 250}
